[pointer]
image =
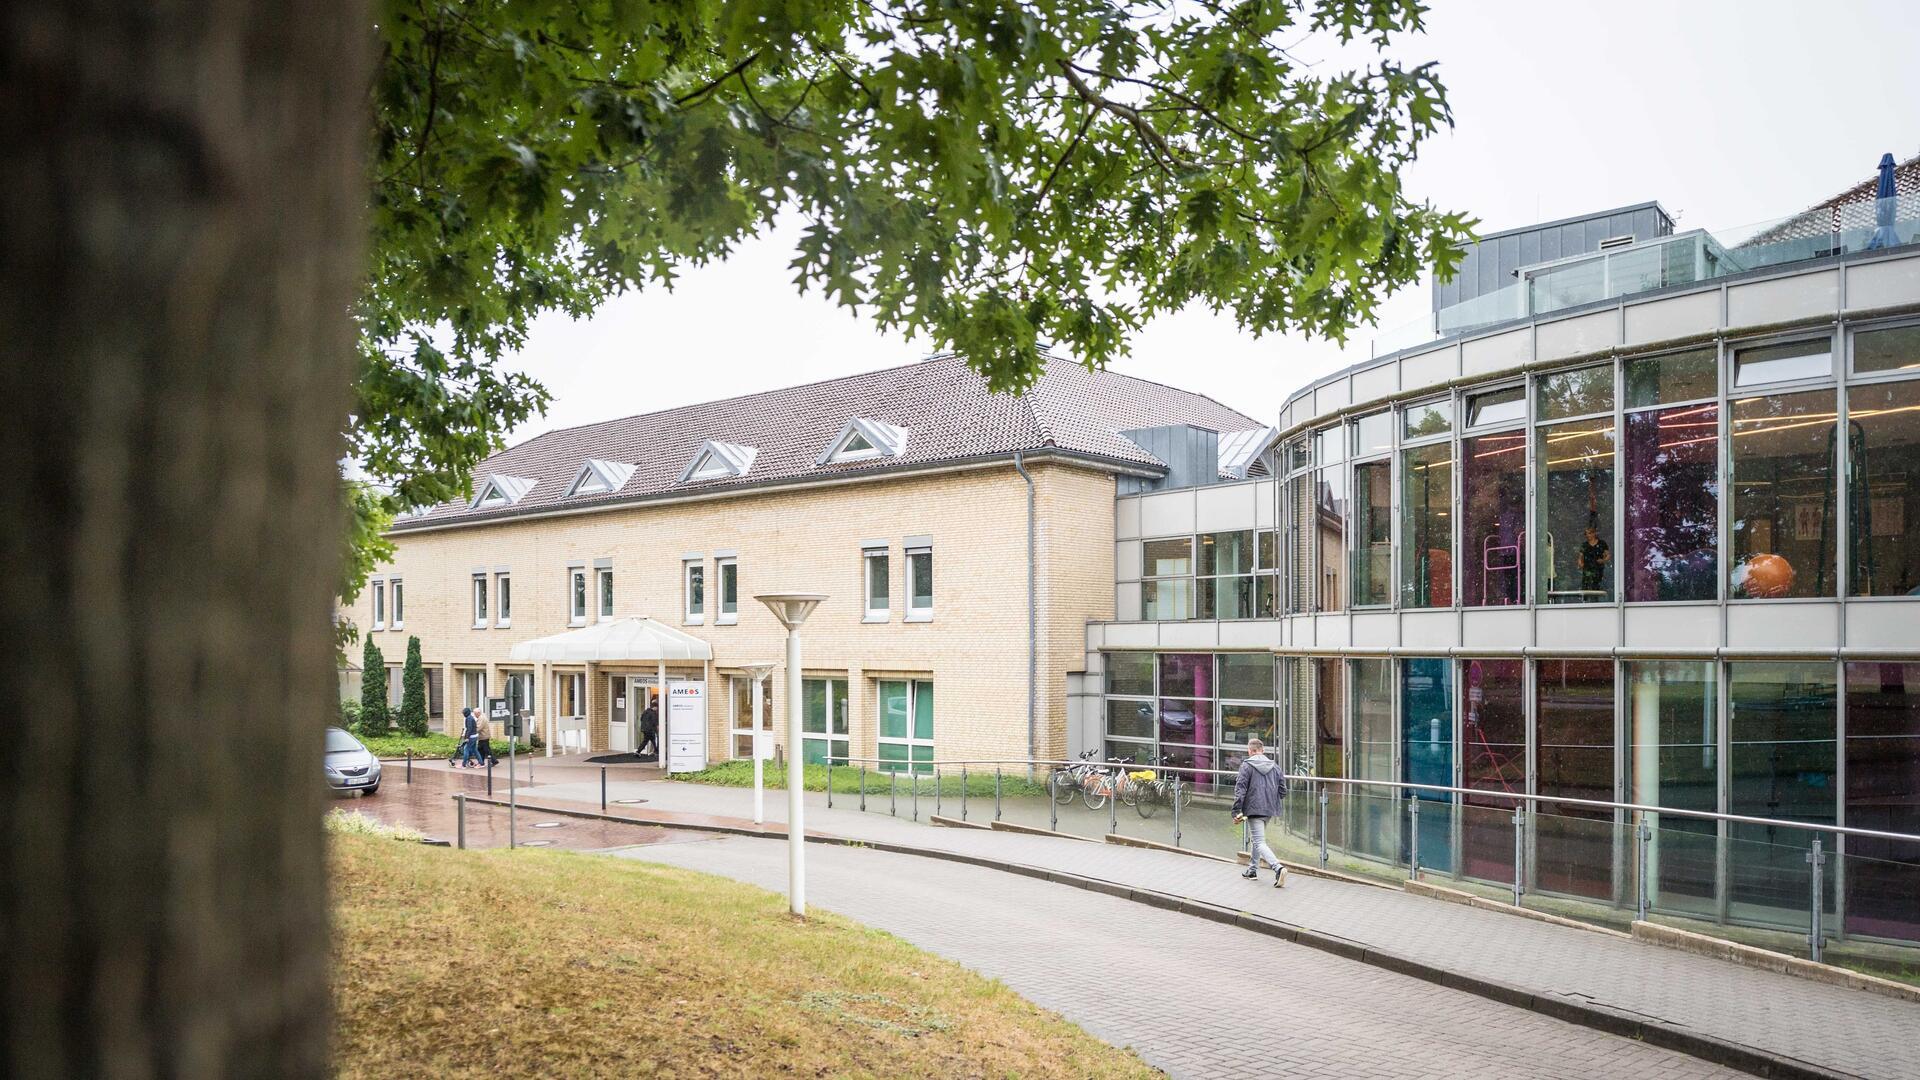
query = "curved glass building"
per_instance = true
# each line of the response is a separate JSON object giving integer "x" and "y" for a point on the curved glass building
{"x": 1640, "y": 524}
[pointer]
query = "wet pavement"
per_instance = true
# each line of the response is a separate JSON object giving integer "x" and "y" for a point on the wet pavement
{"x": 427, "y": 806}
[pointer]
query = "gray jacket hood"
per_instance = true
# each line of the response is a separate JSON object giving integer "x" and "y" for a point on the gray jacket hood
{"x": 1261, "y": 762}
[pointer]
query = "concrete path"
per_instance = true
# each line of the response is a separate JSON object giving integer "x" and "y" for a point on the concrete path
{"x": 1830, "y": 1028}
{"x": 1194, "y": 998}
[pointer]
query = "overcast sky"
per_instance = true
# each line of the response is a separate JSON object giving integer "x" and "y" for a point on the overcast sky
{"x": 1727, "y": 112}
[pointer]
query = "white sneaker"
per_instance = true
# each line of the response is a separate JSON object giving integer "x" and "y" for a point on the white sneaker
{"x": 1280, "y": 878}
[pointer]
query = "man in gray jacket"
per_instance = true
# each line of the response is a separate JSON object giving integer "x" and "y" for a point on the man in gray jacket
{"x": 1258, "y": 793}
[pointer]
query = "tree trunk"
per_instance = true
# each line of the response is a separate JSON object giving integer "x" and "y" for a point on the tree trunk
{"x": 179, "y": 245}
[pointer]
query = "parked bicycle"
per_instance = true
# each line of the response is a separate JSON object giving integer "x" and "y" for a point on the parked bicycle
{"x": 1148, "y": 791}
{"x": 1068, "y": 780}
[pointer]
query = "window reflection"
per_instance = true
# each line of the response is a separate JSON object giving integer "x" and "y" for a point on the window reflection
{"x": 1374, "y": 811}
{"x": 1883, "y": 793}
{"x": 1493, "y": 754}
{"x": 1573, "y": 757}
{"x": 1783, "y": 526}
{"x": 1674, "y": 743}
{"x": 1493, "y": 494}
{"x": 1883, "y": 489}
{"x": 1575, "y": 514}
{"x": 1426, "y": 537}
{"x": 1426, "y": 710}
{"x": 1673, "y": 504}
{"x": 1373, "y": 534}
{"x": 1781, "y": 765}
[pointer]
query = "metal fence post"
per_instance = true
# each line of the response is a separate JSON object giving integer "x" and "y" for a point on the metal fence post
{"x": 829, "y": 777}
{"x": 1642, "y": 840}
{"x": 603, "y": 789}
{"x": 1176, "y": 811}
{"x": 1413, "y": 837}
{"x": 460, "y": 819}
{"x": 489, "y": 778}
{"x": 893, "y": 793}
{"x": 996, "y": 793}
{"x": 409, "y": 764}
{"x": 1816, "y": 936}
{"x": 914, "y": 779}
{"x": 1323, "y": 826}
{"x": 963, "y": 793}
{"x": 937, "y": 810}
{"x": 1519, "y": 852}
{"x": 1113, "y": 803}
{"x": 863, "y": 785}
{"x": 1053, "y": 808}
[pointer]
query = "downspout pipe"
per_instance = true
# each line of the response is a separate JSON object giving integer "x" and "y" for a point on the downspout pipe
{"x": 1033, "y": 621}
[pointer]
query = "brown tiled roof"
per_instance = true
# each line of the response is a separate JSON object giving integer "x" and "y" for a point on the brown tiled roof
{"x": 1853, "y": 208}
{"x": 945, "y": 405}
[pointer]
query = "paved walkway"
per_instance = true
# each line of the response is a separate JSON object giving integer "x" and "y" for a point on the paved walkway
{"x": 1845, "y": 1031}
{"x": 1194, "y": 998}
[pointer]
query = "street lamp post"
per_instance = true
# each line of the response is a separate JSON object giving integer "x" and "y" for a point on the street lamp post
{"x": 758, "y": 673}
{"x": 792, "y": 609}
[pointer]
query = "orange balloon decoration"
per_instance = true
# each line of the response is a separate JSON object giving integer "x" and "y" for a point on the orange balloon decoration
{"x": 1768, "y": 576}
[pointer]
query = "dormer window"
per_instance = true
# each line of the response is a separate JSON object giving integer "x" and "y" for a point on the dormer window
{"x": 865, "y": 440}
{"x": 718, "y": 461}
{"x": 497, "y": 491}
{"x": 600, "y": 477}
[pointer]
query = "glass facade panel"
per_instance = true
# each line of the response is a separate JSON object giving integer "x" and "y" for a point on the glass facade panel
{"x": 1167, "y": 598}
{"x": 1300, "y": 513}
{"x": 1331, "y": 524}
{"x": 1493, "y": 496}
{"x": 1186, "y": 675}
{"x": 1226, "y": 553}
{"x": 1883, "y": 489}
{"x": 1573, "y": 758}
{"x": 1493, "y": 752}
{"x": 1330, "y": 740}
{"x": 1574, "y": 393}
{"x": 1426, "y": 419}
{"x": 1329, "y": 446}
{"x": 1426, "y": 721}
{"x": 1130, "y": 673}
{"x": 823, "y": 713}
{"x": 1246, "y": 676}
{"x": 1673, "y": 504}
{"x": 1781, "y": 764}
{"x": 1373, "y": 434}
{"x": 1426, "y": 526}
{"x": 1673, "y": 736}
{"x": 1238, "y": 723}
{"x": 893, "y": 710}
{"x": 1883, "y": 793}
{"x": 1893, "y": 349}
{"x": 1224, "y": 598}
{"x": 1784, "y": 529}
{"x": 1373, "y": 534}
{"x": 1497, "y": 406}
{"x": 1129, "y": 719}
{"x": 1575, "y": 514}
{"x": 1375, "y": 812}
{"x": 1660, "y": 380}
{"x": 1783, "y": 363}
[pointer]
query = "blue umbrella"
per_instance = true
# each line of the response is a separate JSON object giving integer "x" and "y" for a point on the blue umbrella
{"x": 1883, "y": 207}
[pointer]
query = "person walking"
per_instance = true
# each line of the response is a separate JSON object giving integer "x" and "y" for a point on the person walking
{"x": 650, "y": 730}
{"x": 1258, "y": 793}
{"x": 469, "y": 738}
{"x": 483, "y": 746}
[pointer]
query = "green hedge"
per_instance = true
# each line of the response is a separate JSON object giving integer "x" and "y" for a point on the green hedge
{"x": 846, "y": 779}
{"x": 425, "y": 746}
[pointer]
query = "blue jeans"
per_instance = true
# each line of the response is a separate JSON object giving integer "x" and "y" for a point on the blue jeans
{"x": 1257, "y": 848}
{"x": 469, "y": 749}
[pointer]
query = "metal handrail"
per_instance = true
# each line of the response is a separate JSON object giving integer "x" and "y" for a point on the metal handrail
{"x": 1519, "y": 797}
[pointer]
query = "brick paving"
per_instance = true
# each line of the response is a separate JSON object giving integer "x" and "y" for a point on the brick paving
{"x": 1194, "y": 998}
{"x": 1845, "y": 1031}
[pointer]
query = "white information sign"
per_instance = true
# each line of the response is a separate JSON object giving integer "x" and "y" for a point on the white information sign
{"x": 686, "y": 726}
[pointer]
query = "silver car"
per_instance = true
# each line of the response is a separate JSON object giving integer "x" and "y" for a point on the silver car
{"x": 350, "y": 765}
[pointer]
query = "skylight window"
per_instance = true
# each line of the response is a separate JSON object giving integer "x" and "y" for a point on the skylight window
{"x": 600, "y": 477}
{"x": 718, "y": 460}
{"x": 865, "y": 440}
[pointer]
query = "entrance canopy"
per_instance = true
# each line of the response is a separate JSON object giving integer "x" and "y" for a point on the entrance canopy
{"x": 615, "y": 640}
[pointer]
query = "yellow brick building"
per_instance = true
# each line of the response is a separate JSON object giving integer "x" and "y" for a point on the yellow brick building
{"x": 909, "y": 496}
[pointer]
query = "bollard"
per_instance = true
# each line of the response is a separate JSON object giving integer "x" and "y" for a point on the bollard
{"x": 1113, "y": 803}
{"x": 489, "y": 778}
{"x": 1642, "y": 840}
{"x": 996, "y": 793}
{"x": 829, "y": 779}
{"x": 863, "y": 785}
{"x": 914, "y": 779}
{"x": 460, "y": 819}
{"x": 1053, "y": 808}
{"x": 1176, "y": 811}
{"x": 1323, "y": 826}
{"x": 1413, "y": 837}
{"x": 936, "y": 791}
{"x": 963, "y": 793}
{"x": 1519, "y": 852}
{"x": 1816, "y": 937}
{"x": 893, "y": 794}
{"x": 603, "y": 789}
{"x": 409, "y": 764}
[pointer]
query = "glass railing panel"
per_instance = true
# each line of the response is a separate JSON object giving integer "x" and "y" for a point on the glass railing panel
{"x": 1501, "y": 305}
{"x": 1486, "y": 841}
{"x": 1882, "y": 889}
{"x": 1769, "y": 882}
{"x": 1683, "y": 856}
{"x": 1575, "y": 852}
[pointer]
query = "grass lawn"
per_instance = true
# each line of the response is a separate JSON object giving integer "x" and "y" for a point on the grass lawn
{"x": 846, "y": 780}
{"x": 430, "y": 745}
{"x": 549, "y": 963}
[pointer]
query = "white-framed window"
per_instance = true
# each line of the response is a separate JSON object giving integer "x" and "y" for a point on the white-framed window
{"x": 905, "y": 725}
{"x": 577, "y": 595}
{"x": 473, "y": 691}
{"x": 727, "y": 570}
{"x": 876, "y": 582}
{"x": 397, "y": 597}
{"x": 694, "y": 592}
{"x": 479, "y": 601}
{"x": 502, "y": 600}
{"x": 396, "y": 686}
{"x": 919, "y": 582}
{"x": 379, "y": 605}
{"x": 824, "y": 717}
{"x": 604, "y": 576}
